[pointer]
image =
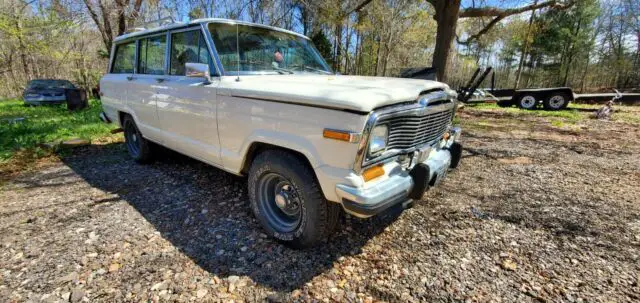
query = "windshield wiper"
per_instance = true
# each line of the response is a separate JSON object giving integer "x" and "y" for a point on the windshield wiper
{"x": 312, "y": 68}
{"x": 281, "y": 70}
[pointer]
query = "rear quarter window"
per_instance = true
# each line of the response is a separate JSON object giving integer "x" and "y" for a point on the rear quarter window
{"x": 124, "y": 59}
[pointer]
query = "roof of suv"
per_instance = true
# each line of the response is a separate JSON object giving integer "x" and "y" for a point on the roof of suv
{"x": 199, "y": 21}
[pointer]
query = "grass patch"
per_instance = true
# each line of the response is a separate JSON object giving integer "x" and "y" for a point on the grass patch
{"x": 570, "y": 115}
{"x": 44, "y": 124}
{"x": 629, "y": 117}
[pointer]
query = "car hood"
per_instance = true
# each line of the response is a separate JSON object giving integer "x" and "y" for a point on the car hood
{"x": 356, "y": 93}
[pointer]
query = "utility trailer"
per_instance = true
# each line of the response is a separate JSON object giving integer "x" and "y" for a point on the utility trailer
{"x": 553, "y": 98}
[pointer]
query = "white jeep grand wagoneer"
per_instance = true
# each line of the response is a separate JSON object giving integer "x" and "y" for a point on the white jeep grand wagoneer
{"x": 260, "y": 101}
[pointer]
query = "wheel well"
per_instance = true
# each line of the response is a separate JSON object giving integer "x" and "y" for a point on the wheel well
{"x": 259, "y": 147}
{"x": 121, "y": 116}
{"x": 517, "y": 96}
{"x": 566, "y": 92}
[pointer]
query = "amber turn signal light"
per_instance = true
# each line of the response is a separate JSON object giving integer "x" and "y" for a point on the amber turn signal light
{"x": 372, "y": 173}
{"x": 340, "y": 135}
{"x": 446, "y": 136}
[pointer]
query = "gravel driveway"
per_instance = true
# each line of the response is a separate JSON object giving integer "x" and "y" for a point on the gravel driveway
{"x": 533, "y": 213}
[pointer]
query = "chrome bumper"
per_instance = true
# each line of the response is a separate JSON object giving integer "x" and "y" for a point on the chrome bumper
{"x": 365, "y": 202}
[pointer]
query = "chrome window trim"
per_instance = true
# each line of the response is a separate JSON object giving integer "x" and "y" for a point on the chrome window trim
{"x": 417, "y": 108}
{"x": 214, "y": 50}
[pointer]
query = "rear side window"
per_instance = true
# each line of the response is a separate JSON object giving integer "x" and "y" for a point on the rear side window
{"x": 124, "y": 59}
{"x": 188, "y": 47}
{"x": 151, "y": 55}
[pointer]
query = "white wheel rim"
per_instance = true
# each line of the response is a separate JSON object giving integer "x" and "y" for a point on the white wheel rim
{"x": 528, "y": 101}
{"x": 556, "y": 101}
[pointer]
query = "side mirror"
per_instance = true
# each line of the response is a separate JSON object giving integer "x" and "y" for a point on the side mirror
{"x": 198, "y": 70}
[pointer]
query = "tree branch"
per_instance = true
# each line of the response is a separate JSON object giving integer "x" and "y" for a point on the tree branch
{"x": 500, "y": 14}
{"x": 358, "y": 7}
{"x": 480, "y": 33}
{"x": 472, "y": 12}
{"x": 101, "y": 28}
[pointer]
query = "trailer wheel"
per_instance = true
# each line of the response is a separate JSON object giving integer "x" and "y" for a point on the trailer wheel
{"x": 527, "y": 102}
{"x": 556, "y": 101}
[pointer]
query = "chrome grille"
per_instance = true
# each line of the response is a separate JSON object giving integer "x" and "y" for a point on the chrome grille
{"x": 416, "y": 130}
{"x": 411, "y": 126}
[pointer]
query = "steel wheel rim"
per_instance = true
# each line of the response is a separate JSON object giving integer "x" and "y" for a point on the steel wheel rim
{"x": 528, "y": 102}
{"x": 556, "y": 101}
{"x": 283, "y": 219}
{"x": 132, "y": 138}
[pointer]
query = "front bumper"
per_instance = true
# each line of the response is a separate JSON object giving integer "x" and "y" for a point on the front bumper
{"x": 41, "y": 100}
{"x": 396, "y": 187}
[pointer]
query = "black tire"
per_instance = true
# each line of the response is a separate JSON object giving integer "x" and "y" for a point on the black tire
{"x": 288, "y": 202}
{"x": 456, "y": 154}
{"x": 138, "y": 147}
{"x": 527, "y": 101}
{"x": 556, "y": 101}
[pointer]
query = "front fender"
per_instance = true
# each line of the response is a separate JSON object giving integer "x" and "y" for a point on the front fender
{"x": 285, "y": 140}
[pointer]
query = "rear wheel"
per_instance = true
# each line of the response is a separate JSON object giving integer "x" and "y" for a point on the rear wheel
{"x": 138, "y": 147}
{"x": 287, "y": 201}
{"x": 527, "y": 102}
{"x": 556, "y": 101}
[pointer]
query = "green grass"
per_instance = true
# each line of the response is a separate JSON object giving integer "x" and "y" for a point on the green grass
{"x": 44, "y": 124}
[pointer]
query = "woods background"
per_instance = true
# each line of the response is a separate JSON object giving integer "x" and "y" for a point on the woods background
{"x": 590, "y": 45}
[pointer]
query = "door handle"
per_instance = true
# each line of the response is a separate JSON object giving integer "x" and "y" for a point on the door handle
{"x": 160, "y": 80}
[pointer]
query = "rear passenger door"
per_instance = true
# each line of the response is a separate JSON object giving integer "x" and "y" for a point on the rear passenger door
{"x": 144, "y": 85}
{"x": 186, "y": 105}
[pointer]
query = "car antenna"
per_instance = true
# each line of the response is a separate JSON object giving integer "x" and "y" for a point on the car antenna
{"x": 238, "y": 52}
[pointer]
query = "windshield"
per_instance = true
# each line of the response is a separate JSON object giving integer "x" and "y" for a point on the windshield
{"x": 264, "y": 50}
{"x": 49, "y": 84}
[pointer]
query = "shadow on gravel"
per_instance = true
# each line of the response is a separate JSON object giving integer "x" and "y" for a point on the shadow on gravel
{"x": 204, "y": 212}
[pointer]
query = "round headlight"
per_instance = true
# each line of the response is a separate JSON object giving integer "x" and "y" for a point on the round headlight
{"x": 378, "y": 140}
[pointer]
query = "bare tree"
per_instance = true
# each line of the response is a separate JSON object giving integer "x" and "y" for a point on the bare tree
{"x": 101, "y": 15}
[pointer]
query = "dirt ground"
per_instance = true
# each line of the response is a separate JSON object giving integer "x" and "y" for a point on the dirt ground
{"x": 538, "y": 210}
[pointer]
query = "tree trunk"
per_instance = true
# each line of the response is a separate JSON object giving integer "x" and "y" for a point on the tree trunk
{"x": 447, "y": 19}
{"x": 338, "y": 50}
{"x": 525, "y": 48}
{"x": 375, "y": 73}
{"x": 23, "y": 47}
{"x": 346, "y": 49}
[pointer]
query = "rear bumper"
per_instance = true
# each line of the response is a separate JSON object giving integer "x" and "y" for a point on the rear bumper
{"x": 397, "y": 186}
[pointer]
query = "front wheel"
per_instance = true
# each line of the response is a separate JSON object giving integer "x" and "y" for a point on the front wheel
{"x": 287, "y": 201}
{"x": 527, "y": 102}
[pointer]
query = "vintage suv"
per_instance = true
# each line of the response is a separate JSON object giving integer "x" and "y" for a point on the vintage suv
{"x": 261, "y": 101}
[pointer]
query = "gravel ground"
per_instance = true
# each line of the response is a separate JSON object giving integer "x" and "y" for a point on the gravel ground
{"x": 533, "y": 213}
